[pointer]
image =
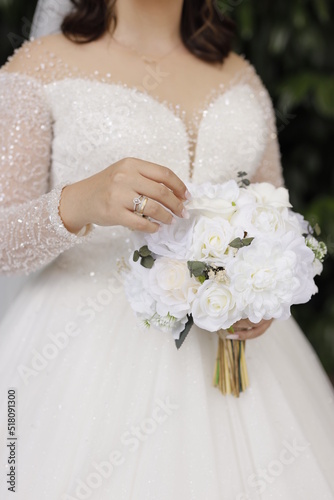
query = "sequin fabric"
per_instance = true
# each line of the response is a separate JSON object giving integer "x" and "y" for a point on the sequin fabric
{"x": 59, "y": 125}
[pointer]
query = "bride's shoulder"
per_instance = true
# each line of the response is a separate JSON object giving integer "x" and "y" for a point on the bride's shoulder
{"x": 37, "y": 54}
{"x": 236, "y": 64}
{"x": 237, "y": 69}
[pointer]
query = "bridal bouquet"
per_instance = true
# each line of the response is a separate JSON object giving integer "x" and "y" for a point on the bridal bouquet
{"x": 243, "y": 253}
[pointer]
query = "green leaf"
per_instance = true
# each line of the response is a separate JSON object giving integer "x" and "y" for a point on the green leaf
{"x": 196, "y": 268}
{"x": 145, "y": 251}
{"x": 247, "y": 241}
{"x": 136, "y": 256}
{"x": 239, "y": 243}
{"x": 246, "y": 182}
{"x": 147, "y": 262}
{"x": 184, "y": 333}
{"x": 242, "y": 174}
{"x": 201, "y": 279}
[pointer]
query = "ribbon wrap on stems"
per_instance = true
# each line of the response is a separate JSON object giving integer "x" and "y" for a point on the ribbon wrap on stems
{"x": 231, "y": 375}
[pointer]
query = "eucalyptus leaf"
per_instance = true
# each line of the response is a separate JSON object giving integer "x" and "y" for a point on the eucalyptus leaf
{"x": 236, "y": 243}
{"x": 136, "y": 256}
{"x": 239, "y": 243}
{"x": 145, "y": 251}
{"x": 196, "y": 268}
{"x": 147, "y": 262}
{"x": 184, "y": 333}
{"x": 247, "y": 241}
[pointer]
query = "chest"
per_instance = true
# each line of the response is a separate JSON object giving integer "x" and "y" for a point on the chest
{"x": 96, "y": 124}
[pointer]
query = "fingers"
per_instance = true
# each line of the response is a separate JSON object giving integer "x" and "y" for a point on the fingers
{"x": 161, "y": 194}
{"x": 120, "y": 184}
{"x": 246, "y": 330}
{"x": 164, "y": 176}
{"x": 132, "y": 221}
{"x": 256, "y": 331}
{"x": 152, "y": 210}
{"x": 157, "y": 212}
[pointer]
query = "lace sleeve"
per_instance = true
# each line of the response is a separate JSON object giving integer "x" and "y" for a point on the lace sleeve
{"x": 32, "y": 233}
{"x": 270, "y": 168}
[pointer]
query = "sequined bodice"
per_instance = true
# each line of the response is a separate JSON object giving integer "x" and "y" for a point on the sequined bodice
{"x": 97, "y": 124}
{"x": 61, "y": 130}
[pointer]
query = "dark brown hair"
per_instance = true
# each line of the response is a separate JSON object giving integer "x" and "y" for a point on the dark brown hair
{"x": 205, "y": 31}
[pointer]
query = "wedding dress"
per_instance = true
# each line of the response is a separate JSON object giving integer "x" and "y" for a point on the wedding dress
{"x": 107, "y": 410}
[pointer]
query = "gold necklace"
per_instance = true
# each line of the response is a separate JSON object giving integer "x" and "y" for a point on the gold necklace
{"x": 149, "y": 60}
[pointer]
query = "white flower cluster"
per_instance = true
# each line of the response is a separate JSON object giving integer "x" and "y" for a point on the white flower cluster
{"x": 272, "y": 267}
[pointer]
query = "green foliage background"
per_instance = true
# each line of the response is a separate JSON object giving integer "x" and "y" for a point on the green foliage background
{"x": 291, "y": 44}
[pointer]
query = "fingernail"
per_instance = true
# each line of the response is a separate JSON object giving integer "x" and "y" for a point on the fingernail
{"x": 185, "y": 214}
{"x": 234, "y": 336}
{"x": 188, "y": 195}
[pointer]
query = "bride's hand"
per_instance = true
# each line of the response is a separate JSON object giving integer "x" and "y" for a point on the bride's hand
{"x": 106, "y": 198}
{"x": 246, "y": 330}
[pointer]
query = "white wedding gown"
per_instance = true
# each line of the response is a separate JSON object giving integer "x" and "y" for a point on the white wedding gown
{"x": 107, "y": 411}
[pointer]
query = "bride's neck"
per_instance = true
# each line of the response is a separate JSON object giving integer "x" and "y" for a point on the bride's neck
{"x": 147, "y": 23}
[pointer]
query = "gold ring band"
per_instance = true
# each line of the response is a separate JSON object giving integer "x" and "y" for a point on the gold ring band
{"x": 143, "y": 205}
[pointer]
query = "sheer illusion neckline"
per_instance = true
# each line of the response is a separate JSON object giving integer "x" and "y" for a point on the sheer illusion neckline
{"x": 191, "y": 122}
{"x": 51, "y": 69}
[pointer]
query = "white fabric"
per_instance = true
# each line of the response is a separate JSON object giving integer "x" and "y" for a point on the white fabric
{"x": 107, "y": 410}
{"x": 9, "y": 289}
{"x": 48, "y": 17}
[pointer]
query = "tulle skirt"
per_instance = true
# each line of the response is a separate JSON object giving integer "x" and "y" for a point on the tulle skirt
{"x": 108, "y": 410}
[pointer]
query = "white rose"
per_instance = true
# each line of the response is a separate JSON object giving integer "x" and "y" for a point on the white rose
{"x": 270, "y": 275}
{"x": 304, "y": 269}
{"x": 295, "y": 222}
{"x": 172, "y": 287}
{"x": 214, "y": 307}
{"x": 260, "y": 219}
{"x": 267, "y": 194}
{"x": 211, "y": 239}
{"x": 172, "y": 240}
{"x": 245, "y": 198}
{"x": 214, "y": 199}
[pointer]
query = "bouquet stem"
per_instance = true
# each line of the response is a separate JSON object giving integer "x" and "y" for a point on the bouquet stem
{"x": 231, "y": 375}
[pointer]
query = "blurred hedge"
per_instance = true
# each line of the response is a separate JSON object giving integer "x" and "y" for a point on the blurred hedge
{"x": 291, "y": 44}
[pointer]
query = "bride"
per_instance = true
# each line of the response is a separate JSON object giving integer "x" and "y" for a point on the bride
{"x": 137, "y": 98}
